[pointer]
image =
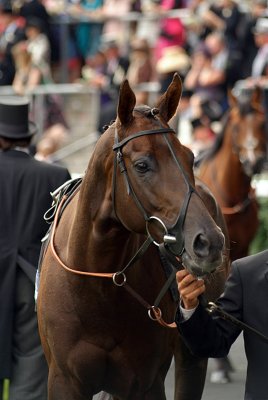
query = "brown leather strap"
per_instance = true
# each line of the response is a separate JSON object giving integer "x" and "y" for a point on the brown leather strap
{"x": 151, "y": 309}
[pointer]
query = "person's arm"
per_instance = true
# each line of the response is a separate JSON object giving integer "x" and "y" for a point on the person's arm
{"x": 212, "y": 20}
{"x": 204, "y": 334}
{"x": 192, "y": 77}
{"x": 190, "y": 288}
{"x": 34, "y": 79}
{"x": 211, "y": 77}
{"x": 18, "y": 85}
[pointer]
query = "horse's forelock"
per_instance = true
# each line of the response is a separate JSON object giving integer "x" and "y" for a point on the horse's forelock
{"x": 147, "y": 111}
{"x": 244, "y": 104}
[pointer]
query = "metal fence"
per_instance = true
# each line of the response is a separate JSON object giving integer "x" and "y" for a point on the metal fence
{"x": 81, "y": 107}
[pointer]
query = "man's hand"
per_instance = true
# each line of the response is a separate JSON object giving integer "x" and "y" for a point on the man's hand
{"x": 189, "y": 288}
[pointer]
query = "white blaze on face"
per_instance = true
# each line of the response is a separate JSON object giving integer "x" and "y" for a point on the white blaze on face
{"x": 250, "y": 143}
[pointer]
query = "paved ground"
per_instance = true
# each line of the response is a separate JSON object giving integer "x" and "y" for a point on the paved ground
{"x": 214, "y": 391}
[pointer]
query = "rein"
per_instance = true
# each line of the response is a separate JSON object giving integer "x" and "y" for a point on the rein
{"x": 237, "y": 208}
{"x": 154, "y": 311}
{"x": 212, "y": 307}
{"x": 119, "y": 278}
{"x": 173, "y": 240}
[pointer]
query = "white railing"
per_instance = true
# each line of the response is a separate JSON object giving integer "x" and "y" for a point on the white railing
{"x": 37, "y": 95}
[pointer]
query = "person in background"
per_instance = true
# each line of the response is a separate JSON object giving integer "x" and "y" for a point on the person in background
{"x": 205, "y": 126}
{"x": 203, "y": 136}
{"x": 26, "y": 185}
{"x": 207, "y": 75}
{"x": 109, "y": 82}
{"x": 141, "y": 68}
{"x": 33, "y": 69}
{"x": 38, "y": 45}
{"x": 225, "y": 16}
{"x": 173, "y": 60}
{"x": 259, "y": 72}
{"x": 249, "y": 46}
{"x": 88, "y": 30}
{"x": 11, "y": 32}
{"x": 27, "y": 75}
{"x": 171, "y": 29}
{"x": 49, "y": 144}
{"x": 113, "y": 13}
{"x": 39, "y": 9}
{"x": 176, "y": 60}
{"x": 260, "y": 62}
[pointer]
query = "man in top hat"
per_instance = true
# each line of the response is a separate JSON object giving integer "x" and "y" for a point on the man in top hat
{"x": 24, "y": 197}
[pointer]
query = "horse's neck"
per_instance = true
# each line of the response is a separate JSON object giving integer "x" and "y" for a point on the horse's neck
{"x": 96, "y": 241}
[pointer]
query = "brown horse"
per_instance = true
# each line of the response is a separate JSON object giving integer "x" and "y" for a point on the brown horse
{"x": 101, "y": 278}
{"x": 228, "y": 167}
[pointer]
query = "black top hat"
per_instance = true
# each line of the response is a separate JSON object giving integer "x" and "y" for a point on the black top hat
{"x": 14, "y": 120}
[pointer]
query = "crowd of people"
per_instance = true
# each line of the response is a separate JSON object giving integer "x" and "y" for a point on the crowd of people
{"x": 215, "y": 45}
{"x": 212, "y": 46}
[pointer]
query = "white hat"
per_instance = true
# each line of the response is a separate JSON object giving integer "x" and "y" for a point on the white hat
{"x": 261, "y": 26}
{"x": 174, "y": 59}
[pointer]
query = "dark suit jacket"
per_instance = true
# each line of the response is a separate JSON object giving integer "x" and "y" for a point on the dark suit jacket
{"x": 25, "y": 186}
{"x": 245, "y": 297}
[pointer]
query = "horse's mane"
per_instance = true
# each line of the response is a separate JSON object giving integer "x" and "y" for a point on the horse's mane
{"x": 245, "y": 107}
{"x": 211, "y": 151}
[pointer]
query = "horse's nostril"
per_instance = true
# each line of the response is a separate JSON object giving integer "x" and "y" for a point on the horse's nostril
{"x": 201, "y": 245}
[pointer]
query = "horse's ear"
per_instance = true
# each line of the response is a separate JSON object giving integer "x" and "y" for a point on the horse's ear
{"x": 169, "y": 101}
{"x": 126, "y": 103}
{"x": 257, "y": 99}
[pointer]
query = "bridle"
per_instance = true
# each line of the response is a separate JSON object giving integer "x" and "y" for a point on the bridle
{"x": 173, "y": 237}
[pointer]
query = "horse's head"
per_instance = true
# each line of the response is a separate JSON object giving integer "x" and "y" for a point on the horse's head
{"x": 247, "y": 121}
{"x": 153, "y": 183}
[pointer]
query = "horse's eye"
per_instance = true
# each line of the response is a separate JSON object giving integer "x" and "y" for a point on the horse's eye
{"x": 141, "y": 167}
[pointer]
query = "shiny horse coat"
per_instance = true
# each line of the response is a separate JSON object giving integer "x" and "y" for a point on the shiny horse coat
{"x": 98, "y": 336}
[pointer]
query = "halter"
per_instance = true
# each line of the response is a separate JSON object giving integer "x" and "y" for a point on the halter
{"x": 173, "y": 238}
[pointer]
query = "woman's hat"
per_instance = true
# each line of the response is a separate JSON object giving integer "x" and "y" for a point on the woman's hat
{"x": 174, "y": 59}
{"x": 14, "y": 118}
{"x": 261, "y": 26}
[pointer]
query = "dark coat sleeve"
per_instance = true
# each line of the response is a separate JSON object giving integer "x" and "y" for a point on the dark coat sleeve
{"x": 208, "y": 335}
